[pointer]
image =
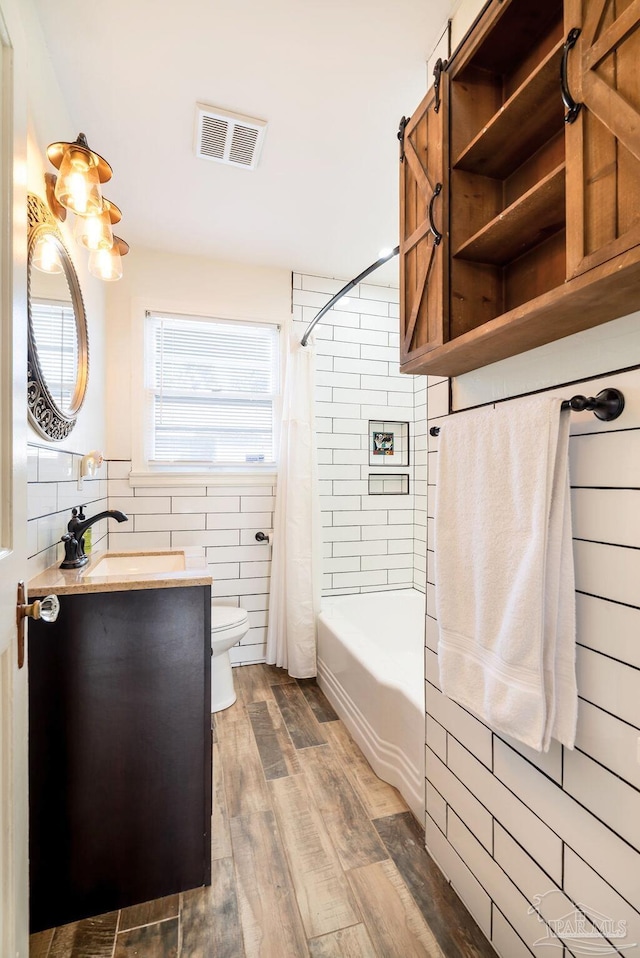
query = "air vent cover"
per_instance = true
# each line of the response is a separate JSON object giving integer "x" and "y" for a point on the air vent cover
{"x": 228, "y": 137}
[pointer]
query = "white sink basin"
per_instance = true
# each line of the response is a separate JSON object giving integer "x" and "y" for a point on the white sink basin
{"x": 140, "y": 562}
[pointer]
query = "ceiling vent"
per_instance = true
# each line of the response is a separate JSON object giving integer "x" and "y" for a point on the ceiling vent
{"x": 228, "y": 137}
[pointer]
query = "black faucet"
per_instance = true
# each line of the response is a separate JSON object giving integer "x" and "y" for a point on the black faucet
{"x": 74, "y": 556}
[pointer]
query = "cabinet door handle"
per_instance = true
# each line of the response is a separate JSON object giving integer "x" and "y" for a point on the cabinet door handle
{"x": 437, "y": 79}
{"x": 437, "y": 235}
{"x": 573, "y": 108}
{"x": 403, "y": 125}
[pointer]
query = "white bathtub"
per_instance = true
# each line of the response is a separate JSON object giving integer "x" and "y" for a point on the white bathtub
{"x": 371, "y": 668}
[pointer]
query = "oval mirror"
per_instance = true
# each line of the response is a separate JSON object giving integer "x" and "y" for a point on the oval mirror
{"x": 58, "y": 350}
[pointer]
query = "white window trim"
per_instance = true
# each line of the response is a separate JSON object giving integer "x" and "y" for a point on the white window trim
{"x": 143, "y": 473}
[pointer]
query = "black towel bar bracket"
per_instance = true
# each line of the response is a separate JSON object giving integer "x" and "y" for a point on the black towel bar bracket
{"x": 607, "y": 406}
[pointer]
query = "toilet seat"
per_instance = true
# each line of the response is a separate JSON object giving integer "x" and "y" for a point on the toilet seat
{"x": 227, "y": 617}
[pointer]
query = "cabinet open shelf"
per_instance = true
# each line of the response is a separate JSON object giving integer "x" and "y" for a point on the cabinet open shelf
{"x": 531, "y": 219}
{"x": 539, "y": 218}
{"x": 532, "y": 115}
{"x": 595, "y": 297}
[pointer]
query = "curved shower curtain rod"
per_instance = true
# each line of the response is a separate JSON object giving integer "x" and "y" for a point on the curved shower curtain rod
{"x": 345, "y": 289}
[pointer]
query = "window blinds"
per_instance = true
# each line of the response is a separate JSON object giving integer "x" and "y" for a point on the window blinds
{"x": 211, "y": 386}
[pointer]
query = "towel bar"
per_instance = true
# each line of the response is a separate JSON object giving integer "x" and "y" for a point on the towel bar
{"x": 607, "y": 405}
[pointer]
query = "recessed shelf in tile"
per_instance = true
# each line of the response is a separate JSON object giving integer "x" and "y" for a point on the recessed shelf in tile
{"x": 388, "y": 484}
{"x": 388, "y": 443}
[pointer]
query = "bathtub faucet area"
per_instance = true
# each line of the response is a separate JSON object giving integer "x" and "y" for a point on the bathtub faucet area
{"x": 74, "y": 554}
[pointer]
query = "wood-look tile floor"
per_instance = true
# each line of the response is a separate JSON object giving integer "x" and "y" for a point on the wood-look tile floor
{"x": 312, "y": 854}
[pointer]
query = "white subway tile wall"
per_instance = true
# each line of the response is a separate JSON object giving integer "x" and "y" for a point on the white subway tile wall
{"x": 52, "y": 492}
{"x": 372, "y": 542}
{"x": 534, "y": 842}
{"x": 223, "y": 520}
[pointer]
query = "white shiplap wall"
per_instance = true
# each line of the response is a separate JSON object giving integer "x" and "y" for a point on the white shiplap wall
{"x": 508, "y": 825}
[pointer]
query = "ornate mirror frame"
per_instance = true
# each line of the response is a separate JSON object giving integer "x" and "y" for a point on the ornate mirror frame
{"x": 44, "y": 413}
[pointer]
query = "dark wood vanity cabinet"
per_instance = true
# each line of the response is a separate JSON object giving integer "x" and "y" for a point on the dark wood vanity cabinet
{"x": 539, "y": 208}
{"x": 119, "y": 751}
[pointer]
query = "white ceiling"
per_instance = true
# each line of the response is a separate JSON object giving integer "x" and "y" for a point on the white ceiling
{"x": 331, "y": 77}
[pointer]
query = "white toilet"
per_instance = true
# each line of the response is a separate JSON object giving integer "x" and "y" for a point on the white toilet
{"x": 228, "y": 626}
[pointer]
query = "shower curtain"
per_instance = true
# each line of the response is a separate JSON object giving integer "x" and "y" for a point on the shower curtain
{"x": 295, "y": 563}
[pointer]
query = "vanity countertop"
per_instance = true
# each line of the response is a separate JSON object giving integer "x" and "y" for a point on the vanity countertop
{"x": 83, "y": 580}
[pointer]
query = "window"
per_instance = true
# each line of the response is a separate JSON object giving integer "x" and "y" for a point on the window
{"x": 211, "y": 390}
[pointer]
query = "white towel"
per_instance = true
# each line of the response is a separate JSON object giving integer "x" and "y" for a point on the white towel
{"x": 505, "y": 594}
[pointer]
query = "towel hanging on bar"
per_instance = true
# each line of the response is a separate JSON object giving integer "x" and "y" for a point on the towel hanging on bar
{"x": 607, "y": 406}
{"x": 505, "y": 591}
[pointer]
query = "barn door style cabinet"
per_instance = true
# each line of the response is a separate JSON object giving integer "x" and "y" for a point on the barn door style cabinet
{"x": 520, "y": 185}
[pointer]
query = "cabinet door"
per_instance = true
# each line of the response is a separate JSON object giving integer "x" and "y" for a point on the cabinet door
{"x": 424, "y": 235}
{"x": 603, "y": 142}
{"x": 119, "y": 752}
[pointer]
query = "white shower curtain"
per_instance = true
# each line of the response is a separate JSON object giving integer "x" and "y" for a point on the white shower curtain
{"x": 295, "y": 562}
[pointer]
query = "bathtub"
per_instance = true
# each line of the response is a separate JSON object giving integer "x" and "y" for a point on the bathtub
{"x": 371, "y": 668}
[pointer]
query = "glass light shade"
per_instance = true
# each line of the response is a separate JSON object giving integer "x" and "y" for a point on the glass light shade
{"x": 106, "y": 264}
{"x": 78, "y": 183}
{"x": 94, "y": 232}
{"x": 45, "y": 256}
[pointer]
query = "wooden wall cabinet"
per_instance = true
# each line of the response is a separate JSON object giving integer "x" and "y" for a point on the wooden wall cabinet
{"x": 539, "y": 203}
{"x": 424, "y": 250}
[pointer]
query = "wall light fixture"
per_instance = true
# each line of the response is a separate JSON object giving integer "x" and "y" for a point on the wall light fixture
{"x": 106, "y": 264}
{"x": 81, "y": 171}
{"x": 94, "y": 232}
{"x": 78, "y": 188}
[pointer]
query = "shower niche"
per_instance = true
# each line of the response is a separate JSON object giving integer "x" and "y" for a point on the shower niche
{"x": 388, "y": 443}
{"x": 384, "y": 484}
{"x": 388, "y": 451}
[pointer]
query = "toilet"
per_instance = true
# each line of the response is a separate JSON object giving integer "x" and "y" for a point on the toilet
{"x": 228, "y": 626}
